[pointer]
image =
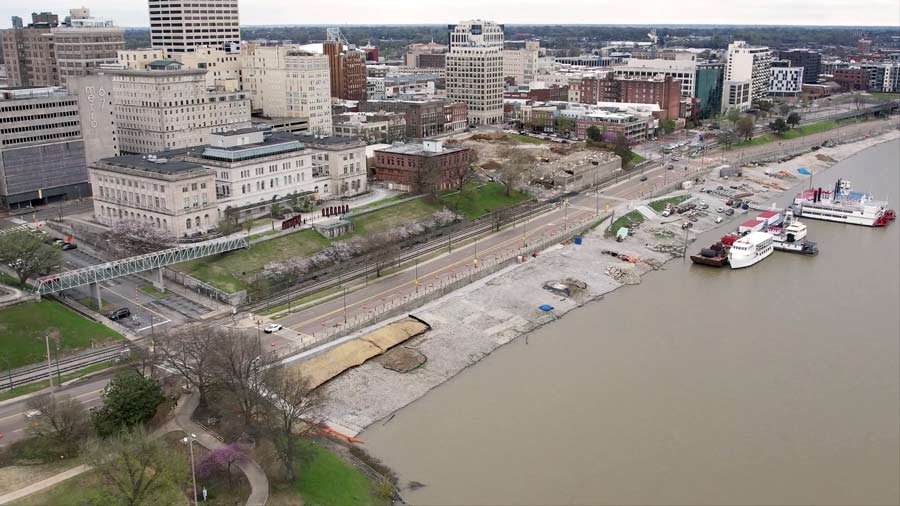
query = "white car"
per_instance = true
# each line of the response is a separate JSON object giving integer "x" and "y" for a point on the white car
{"x": 273, "y": 327}
{"x": 720, "y": 210}
{"x": 718, "y": 219}
{"x": 33, "y": 413}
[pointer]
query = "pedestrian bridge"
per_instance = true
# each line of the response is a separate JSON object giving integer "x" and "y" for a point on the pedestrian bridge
{"x": 133, "y": 265}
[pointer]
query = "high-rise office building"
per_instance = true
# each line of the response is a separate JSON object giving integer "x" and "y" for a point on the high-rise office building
{"x": 811, "y": 61}
{"x": 475, "y": 69}
{"x": 708, "y": 86}
{"x": 181, "y": 27}
{"x": 17, "y": 22}
{"x": 749, "y": 63}
{"x": 348, "y": 70}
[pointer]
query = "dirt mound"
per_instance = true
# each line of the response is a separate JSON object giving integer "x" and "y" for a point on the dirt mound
{"x": 402, "y": 359}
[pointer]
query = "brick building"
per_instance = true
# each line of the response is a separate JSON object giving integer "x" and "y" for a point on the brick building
{"x": 554, "y": 93}
{"x": 424, "y": 118}
{"x": 406, "y": 167}
{"x": 348, "y": 71}
{"x": 852, "y": 79}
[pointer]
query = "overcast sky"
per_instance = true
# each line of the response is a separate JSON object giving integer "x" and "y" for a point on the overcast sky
{"x": 337, "y": 12}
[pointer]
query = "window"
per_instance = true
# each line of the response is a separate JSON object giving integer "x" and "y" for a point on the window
{"x": 187, "y": 223}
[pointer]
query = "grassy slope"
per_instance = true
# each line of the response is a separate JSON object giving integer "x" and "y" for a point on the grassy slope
{"x": 390, "y": 217}
{"x": 325, "y": 480}
{"x": 475, "y": 201}
{"x": 660, "y": 205}
{"x": 634, "y": 217}
{"x": 801, "y": 131}
{"x": 23, "y": 327}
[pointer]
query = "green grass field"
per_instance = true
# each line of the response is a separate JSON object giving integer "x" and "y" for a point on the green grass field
{"x": 794, "y": 133}
{"x": 660, "y": 205}
{"x": 628, "y": 220}
{"x": 220, "y": 270}
{"x": 23, "y": 327}
{"x": 636, "y": 159}
{"x": 390, "y": 217}
{"x": 326, "y": 480}
{"x": 475, "y": 201}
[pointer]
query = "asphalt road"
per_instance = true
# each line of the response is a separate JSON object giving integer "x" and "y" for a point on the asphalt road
{"x": 14, "y": 425}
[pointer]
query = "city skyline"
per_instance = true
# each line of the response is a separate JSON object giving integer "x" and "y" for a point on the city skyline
{"x": 134, "y": 13}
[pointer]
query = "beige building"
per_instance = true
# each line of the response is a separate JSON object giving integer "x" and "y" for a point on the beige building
{"x": 176, "y": 196}
{"x": 344, "y": 159}
{"x": 749, "y": 63}
{"x": 139, "y": 59}
{"x": 182, "y": 27}
{"x": 223, "y": 69}
{"x": 288, "y": 82}
{"x": 521, "y": 64}
{"x": 685, "y": 70}
{"x": 475, "y": 70}
{"x": 83, "y": 51}
{"x": 159, "y": 110}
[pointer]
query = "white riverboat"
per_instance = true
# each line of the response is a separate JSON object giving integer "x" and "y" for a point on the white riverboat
{"x": 843, "y": 205}
{"x": 750, "y": 249}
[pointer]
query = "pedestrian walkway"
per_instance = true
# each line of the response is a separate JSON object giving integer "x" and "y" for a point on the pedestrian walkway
{"x": 43, "y": 484}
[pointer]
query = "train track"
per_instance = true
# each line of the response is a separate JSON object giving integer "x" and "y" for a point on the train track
{"x": 65, "y": 365}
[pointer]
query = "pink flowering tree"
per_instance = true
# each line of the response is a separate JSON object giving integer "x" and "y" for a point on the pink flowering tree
{"x": 219, "y": 461}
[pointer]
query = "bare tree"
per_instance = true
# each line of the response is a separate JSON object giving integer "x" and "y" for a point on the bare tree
{"x": 239, "y": 362}
{"x": 744, "y": 127}
{"x": 27, "y": 254}
{"x": 139, "y": 237}
{"x": 428, "y": 176}
{"x": 137, "y": 469}
{"x": 465, "y": 172}
{"x": 191, "y": 352}
{"x": 516, "y": 161}
{"x": 290, "y": 403}
{"x": 859, "y": 100}
{"x": 727, "y": 138}
{"x": 62, "y": 420}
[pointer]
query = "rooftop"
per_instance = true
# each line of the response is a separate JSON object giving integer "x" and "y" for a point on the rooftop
{"x": 419, "y": 149}
{"x": 154, "y": 163}
{"x": 335, "y": 141}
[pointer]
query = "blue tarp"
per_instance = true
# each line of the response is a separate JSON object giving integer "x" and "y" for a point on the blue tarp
{"x": 546, "y": 307}
{"x": 804, "y": 172}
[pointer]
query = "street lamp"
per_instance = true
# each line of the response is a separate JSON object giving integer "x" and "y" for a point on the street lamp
{"x": 190, "y": 442}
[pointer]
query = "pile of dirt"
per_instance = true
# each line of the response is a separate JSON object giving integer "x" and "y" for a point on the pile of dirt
{"x": 626, "y": 276}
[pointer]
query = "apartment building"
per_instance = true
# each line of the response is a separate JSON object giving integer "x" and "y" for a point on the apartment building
{"x": 169, "y": 193}
{"x": 182, "y": 27}
{"x": 520, "y": 64}
{"x": 344, "y": 159}
{"x": 737, "y": 95}
{"x": 634, "y": 128}
{"x": 475, "y": 70}
{"x": 810, "y": 60}
{"x": 786, "y": 81}
{"x": 430, "y": 55}
{"x": 424, "y": 118}
{"x": 288, "y": 82}
{"x": 684, "y": 70}
{"x": 159, "y": 110}
{"x": 47, "y": 54}
{"x": 406, "y": 167}
{"x": 42, "y": 150}
{"x": 749, "y": 63}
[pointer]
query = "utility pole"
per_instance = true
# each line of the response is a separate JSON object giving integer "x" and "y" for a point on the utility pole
{"x": 49, "y": 363}
{"x": 344, "y": 291}
{"x": 58, "y": 377}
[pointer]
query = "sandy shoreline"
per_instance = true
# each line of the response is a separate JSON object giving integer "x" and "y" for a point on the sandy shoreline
{"x": 470, "y": 323}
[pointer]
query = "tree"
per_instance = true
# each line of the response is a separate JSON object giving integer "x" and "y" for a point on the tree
{"x": 26, "y": 253}
{"x": 220, "y": 460}
{"x": 727, "y": 138}
{"x": 594, "y": 134}
{"x": 858, "y": 100}
{"x": 190, "y": 351}
{"x": 668, "y": 126}
{"x": 290, "y": 401}
{"x": 276, "y": 211}
{"x": 137, "y": 237}
{"x": 733, "y": 115}
{"x": 784, "y": 109}
{"x": 62, "y": 420}
{"x": 138, "y": 470}
{"x": 622, "y": 148}
{"x": 744, "y": 127}
{"x": 427, "y": 178}
{"x": 793, "y": 119}
{"x": 565, "y": 124}
{"x": 465, "y": 172}
{"x": 765, "y": 106}
{"x": 239, "y": 362}
{"x": 779, "y": 126}
{"x": 129, "y": 400}
{"x": 515, "y": 162}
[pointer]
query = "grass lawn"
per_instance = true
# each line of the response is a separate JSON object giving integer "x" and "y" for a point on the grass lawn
{"x": 794, "y": 133}
{"x": 220, "y": 270}
{"x": 92, "y": 303}
{"x": 6, "y": 279}
{"x": 660, "y": 205}
{"x": 325, "y": 480}
{"x": 381, "y": 202}
{"x": 525, "y": 139}
{"x": 390, "y": 217}
{"x": 632, "y": 218}
{"x": 23, "y": 327}
{"x": 475, "y": 201}
{"x": 889, "y": 96}
{"x": 636, "y": 159}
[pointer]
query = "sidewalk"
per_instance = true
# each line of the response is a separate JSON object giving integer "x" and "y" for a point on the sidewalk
{"x": 44, "y": 484}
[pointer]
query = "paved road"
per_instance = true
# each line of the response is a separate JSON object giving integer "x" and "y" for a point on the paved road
{"x": 13, "y": 423}
{"x": 444, "y": 269}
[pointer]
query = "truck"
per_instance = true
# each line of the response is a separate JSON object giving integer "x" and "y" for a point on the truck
{"x": 621, "y": 234}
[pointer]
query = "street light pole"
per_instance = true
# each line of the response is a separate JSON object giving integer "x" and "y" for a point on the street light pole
{"x": 344, "y": 292}
{"x": 190, "y": 442}
{"x": 58, "y": 378}
{"x": 49, "y": 363}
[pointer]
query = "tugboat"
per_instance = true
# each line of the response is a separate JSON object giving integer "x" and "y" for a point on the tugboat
{"x": 716, "y": 255}
{"x": 791, "y": 237}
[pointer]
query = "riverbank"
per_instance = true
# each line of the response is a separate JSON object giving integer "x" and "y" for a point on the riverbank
{"x": 470, "y": 323}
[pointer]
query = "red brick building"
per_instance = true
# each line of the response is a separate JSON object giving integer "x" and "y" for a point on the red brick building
{"x": 586, "y": 90}
{"x": 405, "y": 166}
{"x": 852, "y": 79}
{"x": 662, "y": 91}
{"x": 551, "y": 94}
{"x": 348, "y": 71}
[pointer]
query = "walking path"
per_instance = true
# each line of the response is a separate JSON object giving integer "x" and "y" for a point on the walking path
{"x": 44, "y": 484}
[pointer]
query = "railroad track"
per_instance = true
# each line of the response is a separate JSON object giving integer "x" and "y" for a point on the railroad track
{"x": 37, "y": 372}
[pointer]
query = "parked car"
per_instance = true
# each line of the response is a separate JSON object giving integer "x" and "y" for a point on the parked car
{"x": 643, "y": 178}
{"x": 69, "y": 246}
{"x": 718, "y": 219}
{"x": 729, "y": 211}
{"x": 272, "y": 328}
{"x": 729, "y": 202}
{"x": 118, "y": 314}
{"x": 720, "y": 210}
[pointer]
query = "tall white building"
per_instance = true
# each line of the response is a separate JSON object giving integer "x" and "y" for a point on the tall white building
{"x": 180, "y": 26}
{"x": 749, "y": 63}
{"x": 521, "y": 64}
{"x": 475, "y": 69}
{"x": 159, "y": 110}
{"x": 288, "y": 82}
{"x": 685, "y": 70}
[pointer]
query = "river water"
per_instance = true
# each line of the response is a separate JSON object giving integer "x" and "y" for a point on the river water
{"x": 778, "y": 384}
